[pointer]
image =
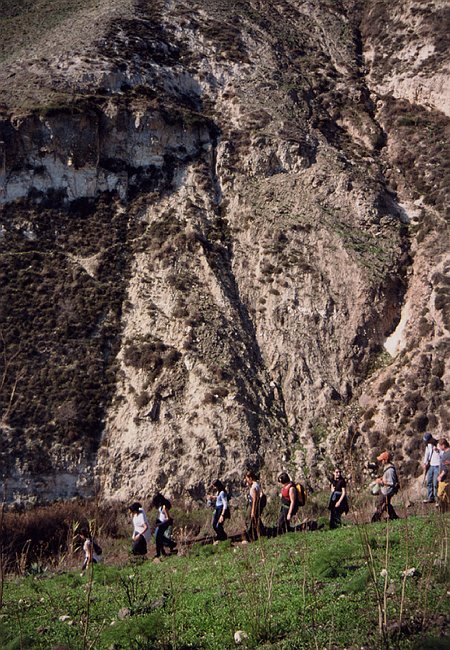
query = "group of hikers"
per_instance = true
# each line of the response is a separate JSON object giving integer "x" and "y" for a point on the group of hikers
{"x": 436, "y": 464}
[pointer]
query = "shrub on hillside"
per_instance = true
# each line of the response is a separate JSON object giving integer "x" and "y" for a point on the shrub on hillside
{"x": 43, "y": 533}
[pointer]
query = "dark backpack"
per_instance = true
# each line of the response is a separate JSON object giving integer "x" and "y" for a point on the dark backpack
{"x": 97, "y": 548}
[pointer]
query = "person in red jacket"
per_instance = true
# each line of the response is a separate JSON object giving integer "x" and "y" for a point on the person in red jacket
{"x": 289, "y": 503}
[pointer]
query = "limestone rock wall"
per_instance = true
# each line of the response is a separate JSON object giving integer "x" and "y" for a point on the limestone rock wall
{"x": 220, "y": 250}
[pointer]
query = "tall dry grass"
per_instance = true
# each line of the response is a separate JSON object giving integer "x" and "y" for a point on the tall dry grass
{"x": 45, "y": 534}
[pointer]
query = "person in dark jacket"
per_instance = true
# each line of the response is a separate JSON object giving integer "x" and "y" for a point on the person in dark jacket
{"x": 338, "y": 503}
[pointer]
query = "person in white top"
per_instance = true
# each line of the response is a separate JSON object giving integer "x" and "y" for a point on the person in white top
{"x": 431, "y": 462}
{"x": 221, "y": 509}
{"x": 92, "y": 551}
{"x": 163, "y": 525}
{"x": 256, "y": 504}
{"x": 141, "y": 529}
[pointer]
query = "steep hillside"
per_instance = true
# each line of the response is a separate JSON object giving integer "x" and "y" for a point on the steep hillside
{"x": 214, "y": 219}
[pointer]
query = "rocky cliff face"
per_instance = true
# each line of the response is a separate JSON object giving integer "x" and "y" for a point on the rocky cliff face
{"x": 223, "y": 243}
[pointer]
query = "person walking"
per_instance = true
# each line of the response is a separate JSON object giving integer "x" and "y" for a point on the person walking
{"x": 431, "y": 463}
{"x": 164, "y": 525}
{"x": 221, "y": 510}
{"x": 289, "y": 503}
{"x": 92, "y": 551}
{"x": 389, "y": 487}
{"x": 338, "y": 503}
{"x": 141, "y": 529}
{"x": 256, "y": 503}
{"x": 443, "y": 492}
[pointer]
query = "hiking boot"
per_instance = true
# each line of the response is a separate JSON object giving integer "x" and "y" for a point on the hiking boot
{"x": 428, "y": 501}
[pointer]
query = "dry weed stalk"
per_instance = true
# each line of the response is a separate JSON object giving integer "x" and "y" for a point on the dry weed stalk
{"x": 87, "y": 644}
{"x": 2, "y": 547}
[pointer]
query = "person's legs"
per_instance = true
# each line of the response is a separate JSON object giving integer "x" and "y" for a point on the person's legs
{"x": 390, "y": 509}
{"x": 162, "y": 540}
{"x": 159, "y": 533}
{"x": 283, "y": 524}
{"x": 381, "y": 506}
{"x": 139, "y": 546}
{"x": 255, "y": 527}
{"x": 430, "y": 484}
{"x": 335, "y": 517}
{"x": 251, "y": 533}
{"x": 218, "y": 527}
{"x": 254, "y": 530}
{"x": 435, "y": 481}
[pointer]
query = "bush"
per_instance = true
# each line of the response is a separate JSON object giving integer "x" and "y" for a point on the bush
{"x": 41, "y": 534}
{"x": 333, "y": 564}
{"x": 358, "y": 583}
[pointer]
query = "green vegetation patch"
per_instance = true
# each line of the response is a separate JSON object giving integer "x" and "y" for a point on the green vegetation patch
{"x": 63, "y": 273}
{"x": 297, "y": 591}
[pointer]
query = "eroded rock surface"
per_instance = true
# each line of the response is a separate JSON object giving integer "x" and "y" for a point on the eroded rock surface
{"x": 224, "y": 245}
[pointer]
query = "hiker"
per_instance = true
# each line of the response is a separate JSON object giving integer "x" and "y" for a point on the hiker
{"x": 221, "y": 510}
{"x": 443, "y": 492}
{"x": 389, "y": 484}
{"x": 431, "y": 463}
{"x": 289, "y": 503}
{"x": 163, "y": 525}
{"x": 256, "y": 503}
{"x": 141, "y": 529}
{"x": 338, "y": 503}
{"x": 92, "y": 551}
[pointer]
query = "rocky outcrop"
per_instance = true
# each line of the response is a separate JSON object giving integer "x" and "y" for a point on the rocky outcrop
{"x": 209, "y": 247}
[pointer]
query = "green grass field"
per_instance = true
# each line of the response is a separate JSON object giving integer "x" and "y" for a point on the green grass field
{"x": 323, "y": 589}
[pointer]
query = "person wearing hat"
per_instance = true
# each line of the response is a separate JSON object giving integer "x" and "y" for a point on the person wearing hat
{"x": 430, "y": 463}
{"x": 389, "y": 484}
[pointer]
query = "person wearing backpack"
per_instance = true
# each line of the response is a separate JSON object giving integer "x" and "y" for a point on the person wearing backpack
{"x": 338, "y": 503}
{"x": 221, "y": 510}
{"x": 289, "y": 503}
{"x": 389, "y": 485}
{"x": 92, "y": 551}
{"x": 163, "y": 525}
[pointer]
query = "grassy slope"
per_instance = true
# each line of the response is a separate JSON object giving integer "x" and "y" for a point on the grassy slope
{"x": 298, "y": 591}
